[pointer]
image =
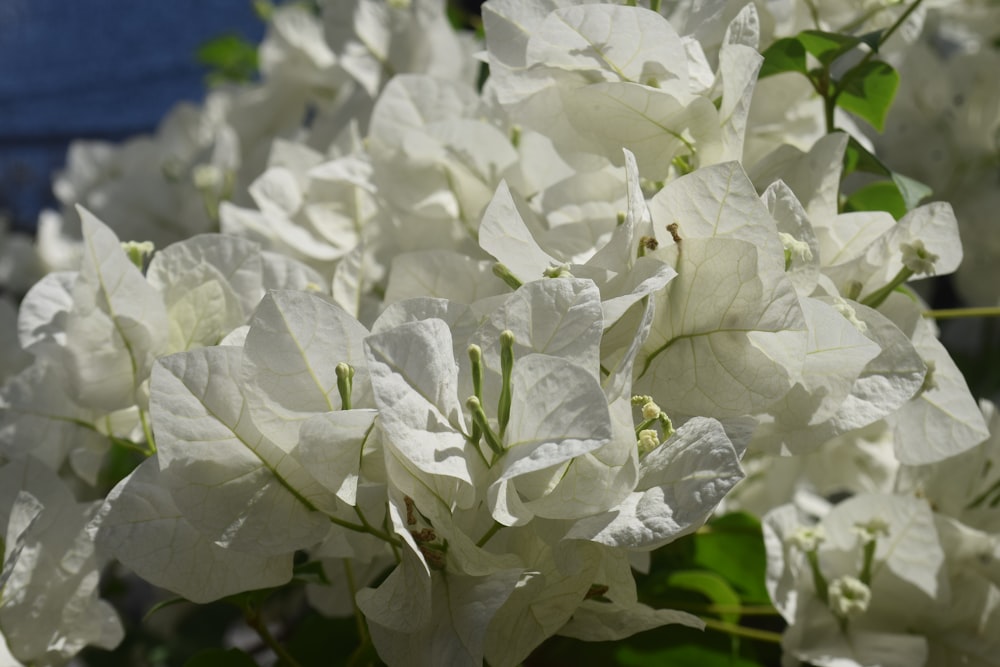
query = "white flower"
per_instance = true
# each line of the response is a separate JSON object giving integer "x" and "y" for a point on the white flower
{"x": 807, "y": 538}
{"x": 918, "y": 258}
{"x": 849, "y": 596}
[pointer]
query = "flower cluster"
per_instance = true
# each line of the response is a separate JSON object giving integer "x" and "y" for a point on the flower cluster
{"x": 474, "y": 352}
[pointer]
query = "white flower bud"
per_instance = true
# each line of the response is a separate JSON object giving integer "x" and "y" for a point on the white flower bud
{"x": 849, "y": 597}
{"x": 807, "y": 538}
{"x": 651, "y": 410}
{"x": 649, "y": 440}
{"x": 918, "y": 258}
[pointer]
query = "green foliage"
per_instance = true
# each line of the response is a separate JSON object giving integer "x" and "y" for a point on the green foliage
{"x": 230, "y": 59}
{"x": 733, "y": 548}
{"x": 859, "y": 158}
{"x": 867, "y": 91}
{"x": 710, "y": 585}
{"x": 785, "y": 55}
{"x": 123, "y": 457}
{"x": 826, "y": 46}
{"x": 877, "y": 196}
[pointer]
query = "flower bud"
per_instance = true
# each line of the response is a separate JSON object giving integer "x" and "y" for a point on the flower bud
{"x": 651, "y": 410}
{"x": 649, "y": 440}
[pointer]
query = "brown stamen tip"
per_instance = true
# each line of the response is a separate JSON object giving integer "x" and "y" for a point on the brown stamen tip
{"x": 674, "y": 228}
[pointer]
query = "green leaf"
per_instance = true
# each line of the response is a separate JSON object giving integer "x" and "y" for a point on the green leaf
{"x": 911, "y": 190}
{"x": 858, "y": 158}
{"x": 868, "y": 91}
{"x": 123, "y": 457}
{"x": 217, "y": 657}
{"x": 733, "y": 548}
{"x": 878, "y": 196}
{"x": 230, "y": 57}
{"x": 712, "y": 586}
{"x": 826, "y": 46}
{"x": 785, "y": 55}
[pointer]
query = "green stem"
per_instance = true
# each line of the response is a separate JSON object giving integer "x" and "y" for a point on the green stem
{"x": 489, "y": 533}
{"x": 819, "y": 582}
{"x": 359, "y": 618}
{"x": 742, "y": 610}
{"x": 741, "y": 631}
{"x": 868, "y": 558}
{"x": 849, "y": 75}
{"x": 955, "y": 313}
{"x": 895, "y": 26}
{"x": 366, "y": 527}
{"x": 254, "y": 620}
{"x": 148, "y": 432}
{"x": 876, "y": 298}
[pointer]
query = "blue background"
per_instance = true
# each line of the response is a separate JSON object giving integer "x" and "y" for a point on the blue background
{"x": 95, "y": 69}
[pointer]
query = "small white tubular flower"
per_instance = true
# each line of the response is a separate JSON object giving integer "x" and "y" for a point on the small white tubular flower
{"x": 872, "y": 529}
{"x": 138, "y": 251}
{"x": 807, "y": 538}
{"x": 649, "y": 440}
{"x": 917, "y": 258}
{"x": 794, "y": 248}
{"x": 847, "y": 310}
{"x": 849, "y": 597}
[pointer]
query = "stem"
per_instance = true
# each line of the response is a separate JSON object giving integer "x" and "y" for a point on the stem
{"x": 254, "y": 620}
{"x": 876, "y": 298}
{"x": 358, "y": 616}
{"x": 829, "y": 105}
{"x": 504, "y": 274}
{"x": 955, "y": 313}
{"x": 871, "y": 54}
{"x": 748, "y": 610}
{"x": 819, "y": 582}
{"x": 741, "y": 631}
{"x": 148, "y": 432}
{"x": 900, "y": 21}
{"x": 868, "y": 558}
{"x": 489, "y": 533}
{"x": 366, "y": 527}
